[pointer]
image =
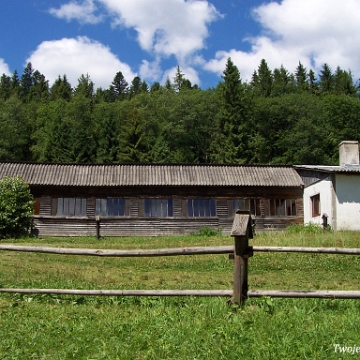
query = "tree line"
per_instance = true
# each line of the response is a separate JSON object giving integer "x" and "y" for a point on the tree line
{"x": 278, "y": 117}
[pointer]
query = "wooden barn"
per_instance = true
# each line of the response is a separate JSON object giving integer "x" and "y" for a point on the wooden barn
{"x": 124, "y": 200}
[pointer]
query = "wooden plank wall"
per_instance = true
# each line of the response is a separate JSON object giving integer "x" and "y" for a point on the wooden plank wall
{"x": 135, "y": 224}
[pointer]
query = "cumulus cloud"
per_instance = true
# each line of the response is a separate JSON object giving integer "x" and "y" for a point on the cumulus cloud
{"x": 166, "y": 27}
{"x": 84, "y": 12}
{"x": 4, "y": 68}
{"x": 310, "y": 31}
{"x": 150, "y": 70}
{"x": 76, "y": 56}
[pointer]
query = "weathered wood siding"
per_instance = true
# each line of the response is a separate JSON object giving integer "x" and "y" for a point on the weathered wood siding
{"x": 134, "y": 223}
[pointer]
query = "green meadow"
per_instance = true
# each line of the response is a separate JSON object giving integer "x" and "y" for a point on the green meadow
{"x": 96, "y": 327}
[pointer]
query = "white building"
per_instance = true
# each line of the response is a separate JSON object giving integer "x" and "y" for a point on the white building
{"x": 332, "y": 193}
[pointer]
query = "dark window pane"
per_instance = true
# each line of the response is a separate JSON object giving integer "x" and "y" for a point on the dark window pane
{"x": 212, "y": 207}
{"x": 201, "y": 208}
{"x": 196, "y": 207}
{"x": 170, "y": 208}
{"x": 110, "y": 207}
{"x": 121, "y": 207}
{"x": 190, "y": 208}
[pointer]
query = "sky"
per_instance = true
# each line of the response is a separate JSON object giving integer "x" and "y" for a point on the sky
{"x": 150, "y": 38}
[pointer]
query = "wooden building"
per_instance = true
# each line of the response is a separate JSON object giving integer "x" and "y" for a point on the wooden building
{"x": 157, "y": 199}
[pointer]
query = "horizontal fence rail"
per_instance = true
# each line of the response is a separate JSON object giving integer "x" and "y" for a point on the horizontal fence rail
{"x": 316, "y": 250}
{"x": 121, "y": 292}
{"x": 123, "y": 253}
{"x": 324, "y": 294}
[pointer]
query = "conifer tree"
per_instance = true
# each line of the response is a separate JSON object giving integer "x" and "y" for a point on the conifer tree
{"x": 301, "y": 76}
{"x": 326, "y": 79}
{"x": 230, "y": 144}
{"x": 5, "y": 87}
{"x": 118, "y": 88}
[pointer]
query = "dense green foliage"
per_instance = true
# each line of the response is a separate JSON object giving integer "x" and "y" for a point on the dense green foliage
{"x": 75, "y": 327}
{"x": 16, "y": 207}
{"x": 277, "y": 118}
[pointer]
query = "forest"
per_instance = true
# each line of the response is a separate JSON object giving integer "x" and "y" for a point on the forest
{"x": 279, "y": 117}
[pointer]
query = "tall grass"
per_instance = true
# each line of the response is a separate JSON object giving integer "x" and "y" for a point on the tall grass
{"x": 75, "y": 327}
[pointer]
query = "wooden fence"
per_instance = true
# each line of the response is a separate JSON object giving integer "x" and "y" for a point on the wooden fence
{"x": 242, "y": 231}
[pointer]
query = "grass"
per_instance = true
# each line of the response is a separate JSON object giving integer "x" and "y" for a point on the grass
{"x": 75, "y": 327}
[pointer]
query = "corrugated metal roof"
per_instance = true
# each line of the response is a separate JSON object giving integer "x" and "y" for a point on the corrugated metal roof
{"x": 152, "y": 175}
{"x": 331, "y": 169}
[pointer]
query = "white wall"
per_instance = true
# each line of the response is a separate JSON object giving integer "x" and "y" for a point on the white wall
{"x": 325, "y": 189}
{"x": 348, "y": 201}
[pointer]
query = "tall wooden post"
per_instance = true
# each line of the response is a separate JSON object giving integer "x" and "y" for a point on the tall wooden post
{"x": 241, "y": 231}
{"x": 97, "y": 220}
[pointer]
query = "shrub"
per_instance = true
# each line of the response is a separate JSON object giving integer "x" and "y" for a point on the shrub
{"x": 16, "y": 207}
{"x": 208, "y": 231}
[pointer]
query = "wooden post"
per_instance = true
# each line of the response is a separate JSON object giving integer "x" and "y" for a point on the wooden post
{"x": 241, "y": 231}
{"x": 97, "y": 219}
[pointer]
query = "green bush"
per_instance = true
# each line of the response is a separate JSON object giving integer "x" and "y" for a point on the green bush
{"x": 16, "y": 207}
{"x": 208, "y": 231}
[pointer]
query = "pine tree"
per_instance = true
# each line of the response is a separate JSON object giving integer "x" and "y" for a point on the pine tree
{"x": 326, "y": 79}
{"x": 118, "y": 88}
{"x": 5, "y": 87}
{"x": 230, "y": 144}
{"x": 61, "y": 89}
{"x": 265, "y": 79}
{"x": 26, "y": 81}
{"x": 301, "y": 77}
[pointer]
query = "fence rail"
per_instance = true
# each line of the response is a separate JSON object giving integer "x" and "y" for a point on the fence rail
{"x": 124, "y": 253}
{"x": 240, "y": 252}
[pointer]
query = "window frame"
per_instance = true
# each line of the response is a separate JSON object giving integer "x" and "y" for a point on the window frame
{"x": 110, "y": 207}
{"x": 315, "y": 205}
{"x": 201, "y": 208}
{"x": 72, "y": 207}
{"x": 158, "y": 207}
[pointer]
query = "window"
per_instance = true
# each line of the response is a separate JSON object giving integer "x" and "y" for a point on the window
{"x": 242, "y": 204}
{"x": 252, "y": 205}
{"x": 201, "y": 207}
{"x": 110, "y": 207}
{"x": 290, "y": 207}
{"x": 282, "y": 207}
{"x": 315, "y": 205}
{"x": 71, "y": 207}
{"x": 159, "y": 207}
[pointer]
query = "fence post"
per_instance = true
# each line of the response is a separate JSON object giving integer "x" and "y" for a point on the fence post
{"x": 241, "y": 231}
{"x": 97, "y": 220}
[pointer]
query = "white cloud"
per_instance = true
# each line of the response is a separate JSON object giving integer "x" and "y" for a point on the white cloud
{"x": 150, "y": 70}
{"x": 166, "y": 27}
{"x": 4, "y": 68}
{"x": 84, "y": 12}
{"x": 74, "y": 57}
{"x": 310, "y": 31}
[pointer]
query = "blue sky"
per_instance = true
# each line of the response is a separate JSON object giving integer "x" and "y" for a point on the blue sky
{"x": 149, "y": 38}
